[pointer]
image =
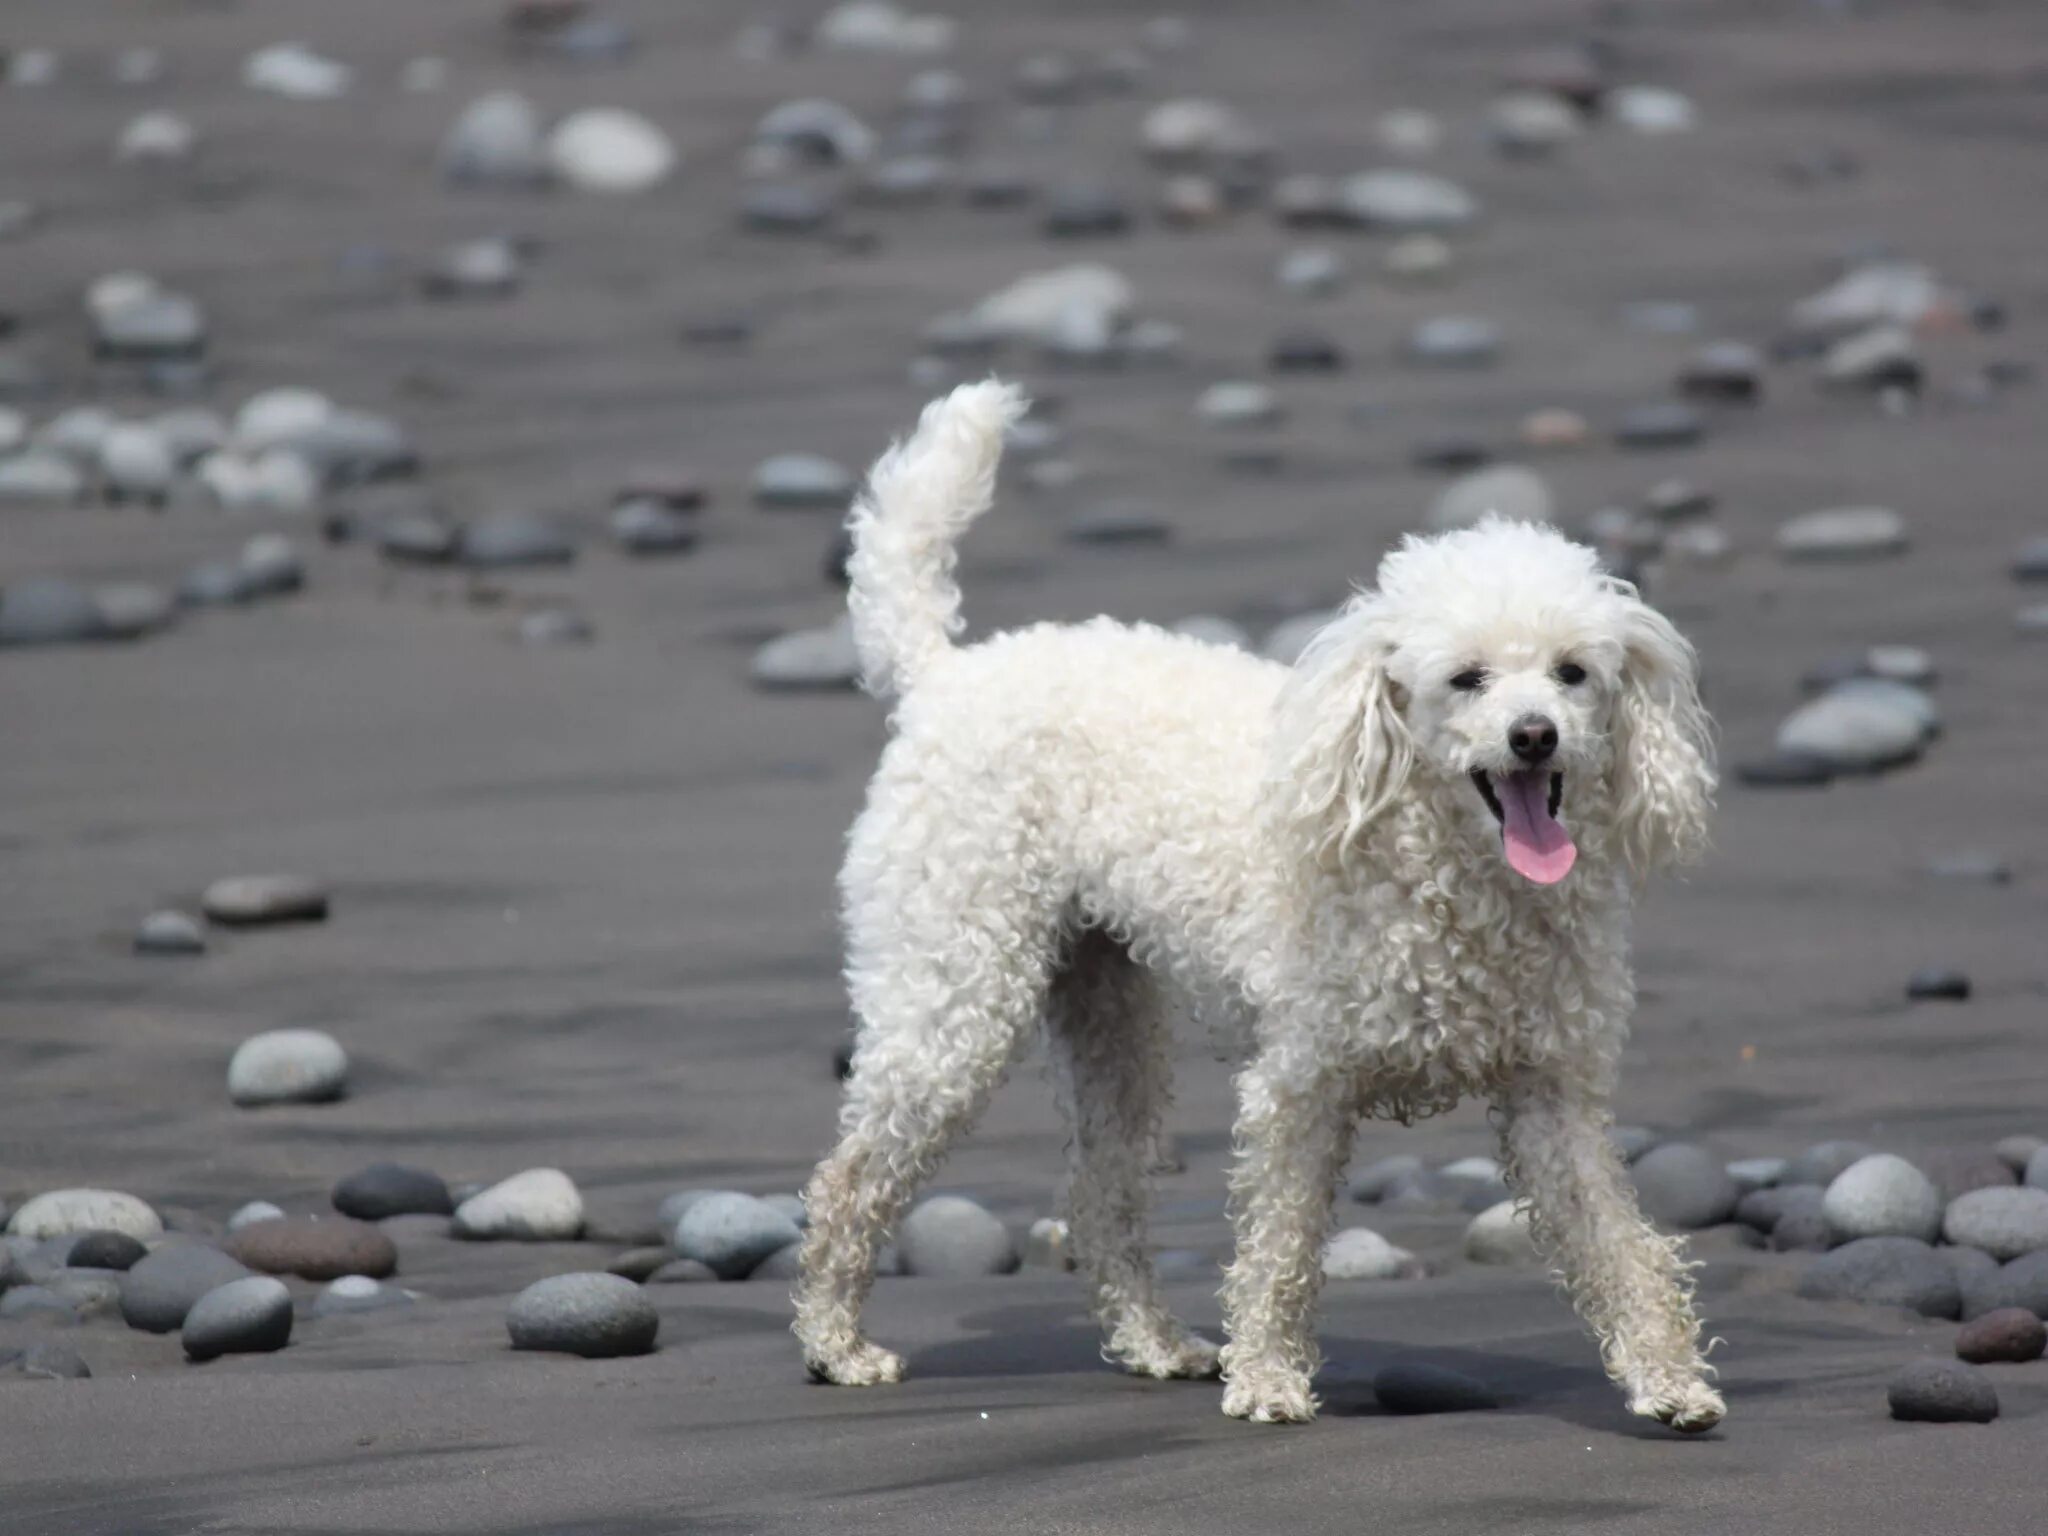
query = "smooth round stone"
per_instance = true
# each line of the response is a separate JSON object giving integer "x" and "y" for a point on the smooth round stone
{"x": 38, "y": 1304}
{"x": 1651, "y": 109}
{"x": 1359, "y": 1253}
{"x": 817, "y": 129}
{"x": 1799, "y": 1223}
{"x": 40, "y": 478}
{"x": 277, "y": 416}
{"x": 487, "y": 268}
{"x": 314, "y": 1249}
{"x": 256, "y": 1210}
{"x": 1553, "y": 430}
{"x": 1418, "y": 1388}
{"x": 555, "y": 626}
{"x": 295, "y": 71}
{"x": 288, "y": 1066}
{"x": 1660, "y": 424}
{"x": 506, "y": 540}
{"x": 352, "y": 447}
{"x": 1190, "y": 201}
{"x": 1417, "y": 259}
{"x": 159, "y": 1290}
{"x": 539, "y": 1205}
{"x": 1310, "y": 270}
{"x": 1842, "y": 533}
{"x": 105, "y": 1250}
{"x": 1191, "y": 128}
{"x": 684, "y": 1272}
{"x": 1935, "y": 984}
{"x": 1958, "y": 1170}
{"x": 136, "y": 460}
{"x": 1509, "y": 490}
{"x": 392, "y": 1189}
{"x": 1884, "y": 1271}
{"x": 675, "y": 1206}
{"x": 191, "y": 432}
{"x": 637, "y": 1264}
{"x": 2021, "y": 1283}
{"x": 1754, "y": 1173}
{"x": 1973, "y": 1269}
{"x": 1531, "y": 124}
{"x": 807, "y": 659}
{"x": 1851, "y": 734}
{"x": 1825, "y": 1161}
{"x": 91, "y": 1293}
{"x": 802, "y": 480}
{"x": 1286, "y": 640}
{"x": 1376, "y": 1179}
{"x": 1454, "y": 341}
{"x": 2005, "y": 1223}
{"x": 61, "y": 1212}
{"x": 647, "y": 527}
{"x": 1079, "y": 209}
{"x": 1304, "y": 352}
{"x": 251, "y": 1316}
{"x": 783, "y": 1264}
{"x": 48, "y": 610}
{"x": 2007, "y": 1335}
{"x": 270, "y": 566}
{"x": 1724, "y": 370}
{"x": 608, "y": 149}
{"x": 1304, "y": 201}
{"x": 248, "y": 901}
{"x": 1941, "y": 1392}
{"x": 1401, "y": 202}
{"x": 1500, "y": 1235}
{"x": 952, "y": 1236}
{"x": 1684, "y": 1186}
{"x": 495, "y": 142}
{"x": 786, "y": 208}
{"x": 148, "y": 326}
{"x": 53, "y": 1360}
{"x": 732, "y": 1233}
{"x": 1238, "y": 403}
{"x": 1040, "y": 306}
{"x": 597, "y": 1316}
{"x": 1632, "y": 1141}
{"x": 418, "y": 539}
{"x": 1883, "y": 1196}
{"x": 1883, "y": 357}
{"x": 352, "y": 1294}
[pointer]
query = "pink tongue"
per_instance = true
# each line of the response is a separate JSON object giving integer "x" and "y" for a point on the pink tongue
{"x": 1538, "y": 847}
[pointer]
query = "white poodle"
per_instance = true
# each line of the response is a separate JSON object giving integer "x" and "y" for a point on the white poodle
{"x": 1405, "y": 864}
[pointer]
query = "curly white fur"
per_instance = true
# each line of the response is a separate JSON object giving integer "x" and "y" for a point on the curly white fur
{"x": 1074, "y": 828}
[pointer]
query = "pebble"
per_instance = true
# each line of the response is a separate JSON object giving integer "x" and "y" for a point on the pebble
{"x": 1041, "y": 307}
{"x": 252, "y": 1316}
{"x": 2017, "y": 1152}
{"x": 1117, "y": 524}
{"x": 806, "y": 659}
{"x": 2006, "y": 1223}
{"x": 350, "y": 1294}
{"x": 1304, "y": 352}
{"x": 1851, "y": 733}
{"x": 1941, "y": 1392}
{"x": 392, "y": 1189}
{"x": 1454, "y": 341}
{"x": 1842, "y": 533}
{"x": 802, "y": 480}
{"x": 1958, "y": 1170}
{"x": 647, "y": 527}
{"x": 1883, "y": 1196}
{"x": 784, "y": 1263}
{"x": 40, "y": 479}
{"x": 1660, "y": 424}
{"x": 47, "y": 610}
{"x": 952, "y": 1236}
{"x": 1190, "y": 201}
{"x": 1212, "y": 629}
{"x": 53, "y": 1360}
{"x": 1238, "y": 403}
{"x": 1553, "y": 430}
{"x": 149, "y": 326}
{"x": 1973, "y": 1269}
{"x": 639, "y": 1263}
{"x": 105, "y": 1250}
{"x": 288, "y": 1066}
{"x": 785, "y": 208}
{"x": 155, "y": 136}
{"x": 1802, "y": 1225}
{"x": 1377, "y": 1179}
{"x": 60, "y": 1212}
{"x": 1315, "y": 270}
{"x": 1075, "y": 209}
{"x": 683, "y": 1272}
{"x": 510, "y": 540}
{"x": 1510, "y": 490}
{"x": 1527, "y": 125}
{"x": 2007, "y": 1334}
{"x": 1419, "y": 1388}
{"x": 878, "y": 26}
{"x": 1684, "y": 1186}
{"x": 314, "y": 1248}
{"x": 37, "y": 1303}
{"x": 1405, "y": 202}
{"x": 1651, "y": 109}
{"x": 539, "y": 1205}
{"x": 1761, "y": 1208}
{"x": 1724, "y": 370}
{"x": 555, "y": 626}
{"x": 731, "y": 1232}
{"x": 1359, "y": 1253}
{"x": 1874, "y": 293}
{"x": 296, "y": 71}
{"x": 1885, "y": 1271}
{"x": 2021, "y": 1283}
{"x": 1500, "y": 1235}
{"x": 608, "y": 149}
{"x": 90, "y": 1293}
{"x": 160, "y": 1290}
{"x": 485, "y": 268}
{"x": 597, "y": 1316}
{"x": 1417, "y": 259}
{"x": 1754, "y": 1173}
{"x": 256, "y": 1210}
{"x": 1883, "y": 357}
{"x": 1050, "y": 1245}
{"x": 496, "y": 141}
{"x": 136, "y": 460}
{"x": 2034, "y": 1172}
{"x": 248, "y": 901}
{"x": 2031, "y": 562}
{"x": 1934, "y": 983}
{"x": 818, "y": 130}
{"x": 1193, "y": 129}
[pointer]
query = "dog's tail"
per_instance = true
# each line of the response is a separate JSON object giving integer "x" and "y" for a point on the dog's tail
{"x": 920, "y": 497}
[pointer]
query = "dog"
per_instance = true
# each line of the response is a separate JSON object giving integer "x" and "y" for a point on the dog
{"x": 1405, "y": 864}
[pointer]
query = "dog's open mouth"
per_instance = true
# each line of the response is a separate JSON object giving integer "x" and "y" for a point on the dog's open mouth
{"x": 1525, "y": 804}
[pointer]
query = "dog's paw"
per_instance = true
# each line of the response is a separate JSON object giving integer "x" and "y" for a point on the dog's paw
{"x": 1690, "y": 1407}
{"x": 1183, "y": 1357}
{"x": 864, "y": 1365}
{"x": 1270, "y": 1397}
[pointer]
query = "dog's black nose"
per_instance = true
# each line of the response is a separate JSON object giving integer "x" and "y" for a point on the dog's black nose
{"x": 1533, "y": 738}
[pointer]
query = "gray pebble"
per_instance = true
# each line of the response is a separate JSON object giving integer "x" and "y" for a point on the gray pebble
{"x": 1885, "y": 1271}
{"x": 63, "y": 1212}
{"x": 1883, "y": 1196}
{"x": 807, "y": 659}
{"x": 255, "y": 1211}
{"x": 1840, "y": 533}
{"x": 1822, "y": 1162}
{"x": 1754, "y": 1173}
{"x": 1802, "y": 1224}
{"x": 780, "y": 1265}
{"x": 1660, "y": 424}
{"x": 251, "y": 1316}
{"x": 1375, "y": 1179}
{"x": 37, "y": 1304}
{"x": 952, "y": 1236}
{"x": 1403, "y": 202}
{"x": 150, "y": 326}
{"x": 169, "y": 933}
{"x": 105, "y": 1250}
{"x": 392, "y": 1189}
{"x": 2005, "y": 1223}
{"x": 1937, "y": 983}
{"x": 129, "y": 610}
{"x": 288, "y": 1066}
{"x": 486, "y": 268}
{"x": 2021, "y": 1283}
{"x": 159, "y": 1291}
{"x": 539, "y": 1205}
{"x": 1684, "y": 1186}
{"x": 1455, "y": 341}
{"x": 352, "y": 1294}
{"x": 497, "y": 141}
{"x": 1883, "y": 357}
{"x": 639, "y": 1263}
{"x": 643, "y": 526}
{"x": 1500, "y": 1235}
{"x": 54, "y": 1360}
{"x": 802, "y": 480}
{"x": 1509, "y": 490}
{"x": 48, "y": 610}
{"x": 504, "y": 540}
{"x": 683, "y": 1272}
{"x": 39, "y": 478}
{"x": 248, "y": 901}
{"x": 2018, "y": 1151}
{"x": 555, "y": 626}
{"x": 786, "y": 208}
{"x": 732, "y": 1233}
{"x": 1942, "y": 1392}
{"x": 1723, "y": 370}
{"x": 597, "y": 1316}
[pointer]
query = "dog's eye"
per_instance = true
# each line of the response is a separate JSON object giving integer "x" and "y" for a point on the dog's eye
{"x": 1571, "y": 674}
{"x": 1469, "y": 681}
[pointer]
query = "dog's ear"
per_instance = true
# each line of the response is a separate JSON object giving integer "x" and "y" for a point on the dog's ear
{"x": 1663, "y": 773}
{"x": 1341, "y": 753}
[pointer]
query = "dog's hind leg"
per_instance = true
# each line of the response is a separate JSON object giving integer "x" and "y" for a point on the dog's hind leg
{"x": 1108, "y": 1026}
{"x": 946, "y": 988}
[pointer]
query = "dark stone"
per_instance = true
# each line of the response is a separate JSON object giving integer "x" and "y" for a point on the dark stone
{"x": 683, "y": 1272}
{"x": 1885, "y": 1271}
{"x": 2021, "y": 1283}
{"x": 1451, "y": 455}
{"x": 1118, "y": 525}
{"x": 314, "y": 1249}
{"x": 243, "y": 1317}
{"x": 1305, "y": 352}
{"x": 1079, "y": 209}
{"x": 837, "y": 553}
{"x": 105, "y": 1250}
{"x": 645, "y": 526}
{"x": 1942, "y": 1392}
{"x": 392, "y": 1189}
{"x": 1678, "y": 501}
{"x": 640, "y": 1263}
{"x": 1935, "y": 983}
{"x": 159, "y": 1290}
{"x": 2008, "y": 1334}
{"x": 1684, "y": 1186}
{"x": 510, "y": 539}
{"x": 1825, "y": 1161}
{"x": 1972, "y": 1267}
{"x": 597, "y": 1316}
{"x": 1724, "y": 370}
{"x": 1764, "y": 1208}
{"x": 418, "y": 540}
{"x": 1418, "y": 1388}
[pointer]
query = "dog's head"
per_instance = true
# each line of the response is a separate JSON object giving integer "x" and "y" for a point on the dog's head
{"x": 1499, "y": 662}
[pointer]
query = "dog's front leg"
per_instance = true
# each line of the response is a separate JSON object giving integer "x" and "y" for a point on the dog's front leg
{"x": 1294, "y": 1134}
{"x": 1629, "y": 1281}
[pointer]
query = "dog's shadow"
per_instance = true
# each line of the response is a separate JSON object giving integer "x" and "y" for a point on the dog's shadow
{"x": 1026, "y": 1341}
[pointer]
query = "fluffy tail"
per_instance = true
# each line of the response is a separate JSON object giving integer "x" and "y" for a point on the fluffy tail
{"x": 920, "y": 497}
